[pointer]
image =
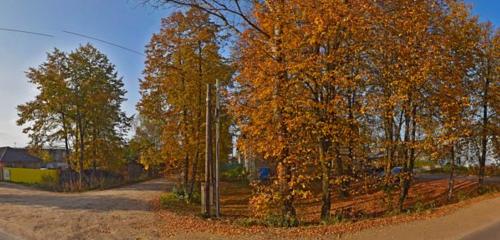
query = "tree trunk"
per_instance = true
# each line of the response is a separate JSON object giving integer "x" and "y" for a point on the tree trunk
{"x": 482, "y": 159}
{"x": 197, "y": 129}
{"x": 194, "y": 172}
{"x": 389, "y": 132}
{"x": 343, "y": 193}
{"x": 288, "y": 211}
{"x": 185, "y": 173}
{"x": 184, "y": 132}
{"x": 94, "y": 158}
{"x": 350, "y": 155}
{"x": 217, "y": 149}
{"x": 285, "y": 176}
{"x": 451, "y": 181}
{"x": 66, "y": 140}
{"x": 325, "y": 179}
{"x": 410, "y": 163}
{"x": 352, "y": 128}
{"x": 82, "y": 149}
{"x": 484, "y": 134}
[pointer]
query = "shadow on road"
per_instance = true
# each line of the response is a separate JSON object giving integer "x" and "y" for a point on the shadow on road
{"x": 131, "y": 197}
{"x": 89, "y": 203}
{"x": 148, "y": 186}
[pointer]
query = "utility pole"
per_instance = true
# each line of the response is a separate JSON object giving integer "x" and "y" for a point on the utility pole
{"x": 217, "y": 147}
{"x": 208, "y": 155}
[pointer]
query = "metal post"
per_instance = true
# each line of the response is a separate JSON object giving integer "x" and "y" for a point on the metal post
{"x": 217, "y": 147}
{"x": 208, "y": 153}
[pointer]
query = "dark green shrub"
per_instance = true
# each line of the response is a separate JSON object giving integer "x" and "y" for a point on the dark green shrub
{"x": 281, "y": 221}
{"x": 182, "y": 194}
{"x": 168, "y": 199}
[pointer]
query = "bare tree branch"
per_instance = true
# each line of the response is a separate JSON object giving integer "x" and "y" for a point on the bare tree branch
{"x": 217, "y": 8}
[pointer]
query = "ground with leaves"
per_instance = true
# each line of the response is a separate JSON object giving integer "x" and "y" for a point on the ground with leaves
{"x": 184, "y": 222}
{"x": 444, "y": 223}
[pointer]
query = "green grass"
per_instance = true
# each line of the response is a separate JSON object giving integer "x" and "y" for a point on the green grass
{"x": 171, "y": 201}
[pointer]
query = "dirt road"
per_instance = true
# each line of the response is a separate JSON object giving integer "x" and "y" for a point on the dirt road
{"x": 478, "y": 221}
{"x": 489, "y": 233}
{"x": 122, "y": 213}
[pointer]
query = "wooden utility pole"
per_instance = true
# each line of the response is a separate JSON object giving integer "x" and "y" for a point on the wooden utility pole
{"x": 217, "y": 147}
{"x": 208, "y": 155}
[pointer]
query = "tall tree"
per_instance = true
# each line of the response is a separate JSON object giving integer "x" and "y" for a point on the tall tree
{"x": 48, "y": 113}
{"x": 458, "y": 45}
{"x": 79, "y": 102}
{"x": 146, "y": 143}
{"x": 487, "y": 94}
{"x": 181, "y": 59}
{"x": 96, "y": 96}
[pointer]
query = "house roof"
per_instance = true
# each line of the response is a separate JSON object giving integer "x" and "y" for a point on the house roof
{"x": 17, "y": 155}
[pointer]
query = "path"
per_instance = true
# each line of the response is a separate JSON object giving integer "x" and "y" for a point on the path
{"x": 122, "y": 213}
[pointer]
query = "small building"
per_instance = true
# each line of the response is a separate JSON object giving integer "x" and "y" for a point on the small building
{"x": 58, "y": 155}
{"x": 18, "y": 158}
{"x": 57, "y": 158}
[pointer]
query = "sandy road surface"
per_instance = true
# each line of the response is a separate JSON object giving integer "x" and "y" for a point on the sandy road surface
{"x": 122, "y": 213}
{"x": 491, "y": 232}
{"x": 480, "y": 219}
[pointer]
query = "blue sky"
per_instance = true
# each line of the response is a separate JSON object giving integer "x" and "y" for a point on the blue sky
{"x": 124, "y": 22}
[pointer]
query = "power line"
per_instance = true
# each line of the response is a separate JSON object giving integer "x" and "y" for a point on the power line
{"x": 73, "y": 33}
{"x": 104, "y": 41}
{"x": 27, "y": 32}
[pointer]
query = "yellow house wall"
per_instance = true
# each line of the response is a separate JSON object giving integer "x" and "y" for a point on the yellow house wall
{"x": 32, "y": 176}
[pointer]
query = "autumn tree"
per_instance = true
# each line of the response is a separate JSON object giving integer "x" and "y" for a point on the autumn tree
{"x": 96, "y": 96}
{"x": 79, "y": 102}
{"x": 145, "y": 145}
{"x": 48, "y": 114}
{"x": 401, "y": 66}
{"x": 452, "y": 78}
{"x": 266, "y": 102}
{"x": 306, "y": 81}
{"x": 322, "y": 85}
{"x": 181, "y": 59}
{"x": 486, "y": 94}
{"x": 324, "y": 49}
